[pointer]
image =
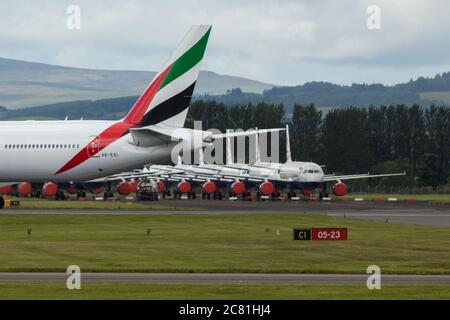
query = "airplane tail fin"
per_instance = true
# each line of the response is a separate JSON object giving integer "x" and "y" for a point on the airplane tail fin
{"x": 229, "y": 158}
{"x": 167, "y": 98}
{"x": 257, "y": 150}
{"x": 288, "y": 145}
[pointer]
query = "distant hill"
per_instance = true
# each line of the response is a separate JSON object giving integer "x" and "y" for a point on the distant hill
{"x": 107, "y": 109}
{"x": 423, "y": 91}
{"x": 78, "y": 92}
{"x": 26, "y": 84}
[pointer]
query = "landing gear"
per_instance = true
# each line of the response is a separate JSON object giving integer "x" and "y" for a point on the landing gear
{"x": 291, "y": 194}
{"x": 60, "y": 195}
{"x": 2, "y": 203}
{"x": 323, "y": 191}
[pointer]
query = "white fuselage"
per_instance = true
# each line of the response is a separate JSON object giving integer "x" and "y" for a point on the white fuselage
{"x": 296, "y": 171}
{"x": 35, "y": 151}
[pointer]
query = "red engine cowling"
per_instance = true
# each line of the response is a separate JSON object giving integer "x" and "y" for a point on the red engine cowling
{"x": 24, "y": 188}
{"x": 238, "y": 187}
{"x": 184, "y": 187}
{"x": 306, "y": 192}
{"x": 72, "y": 189}
{"x": 97, "y": 190}
{"x": 6, "y": 190}
{"x": 49, "y": 189}
{"x": 134, "y": 186}
{"x": 266, "y": 188}
{"x": 124, "y": 188}
{"x": 160, "y": 186}
{"x": 340, "y": 189}
{"x": 209, "y": 187}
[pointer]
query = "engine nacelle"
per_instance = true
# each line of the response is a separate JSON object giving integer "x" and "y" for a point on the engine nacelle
{"x": 24, "y": 188}
{"x": 209, "y": 187}
{"x": 266, "y": 188}
{"x": 160, "y": 186}
{"x": 184, "y": 187}
{"x": 124, "y": 188}
{"x": 72, "y": 189}
{"x": 306, "y": 192}
{"x": 134, "y": 186}
{"x": 97, "y": 190}
{"x": 238, "y": 187}
{"x": 49, "y": 189}
{"x": 340, "y": 189}
{"x": 6, "y": 190}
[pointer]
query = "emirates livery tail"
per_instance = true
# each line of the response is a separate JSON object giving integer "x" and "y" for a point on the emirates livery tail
{"x": 167, "y": 98}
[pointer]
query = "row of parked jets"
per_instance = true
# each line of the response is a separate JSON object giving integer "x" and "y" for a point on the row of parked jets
{"x": 267, "y": 179}
{"x": 53, "y": 157}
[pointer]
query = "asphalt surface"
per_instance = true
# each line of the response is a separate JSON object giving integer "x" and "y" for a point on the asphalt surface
{"x": 227, "y": 278}
{"x": 417, "y": 212}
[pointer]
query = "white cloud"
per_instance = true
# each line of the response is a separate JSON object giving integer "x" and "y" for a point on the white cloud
{"x": 283, "y": 42}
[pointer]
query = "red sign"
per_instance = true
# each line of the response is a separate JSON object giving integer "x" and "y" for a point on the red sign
{"x": 329, "y": 233}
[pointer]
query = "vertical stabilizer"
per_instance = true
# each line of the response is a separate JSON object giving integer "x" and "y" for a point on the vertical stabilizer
{"x": 257, "y": 149}
{"x": 288, "y": 145}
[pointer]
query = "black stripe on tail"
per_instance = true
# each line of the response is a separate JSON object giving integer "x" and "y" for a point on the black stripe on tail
{"x": 169, "y": 108}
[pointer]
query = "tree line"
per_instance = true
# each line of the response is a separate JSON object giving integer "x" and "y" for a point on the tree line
{"x": 350, "y": 140}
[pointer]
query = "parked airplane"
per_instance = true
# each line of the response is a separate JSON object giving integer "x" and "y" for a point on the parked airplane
{"x": 266, "y": 177}
{"x": 54, "y": 152}
{"x": 298, "y": 175}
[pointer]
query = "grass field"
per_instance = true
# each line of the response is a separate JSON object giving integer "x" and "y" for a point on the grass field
{"x": 54, "y": 290}
{"x": 216, "y": 243}
{"x": 417, "y": 197}
{"x": 91, "y": 204}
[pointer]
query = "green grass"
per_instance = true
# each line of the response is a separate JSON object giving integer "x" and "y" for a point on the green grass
{"x": 54, "y": 290}
{"x": 91, "y": 204}
{"x": 216, "y": 243}
{"x": 417, "y": 197}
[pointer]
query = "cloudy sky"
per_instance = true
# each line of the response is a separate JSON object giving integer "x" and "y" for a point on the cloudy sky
{"x": 281, "y": 42}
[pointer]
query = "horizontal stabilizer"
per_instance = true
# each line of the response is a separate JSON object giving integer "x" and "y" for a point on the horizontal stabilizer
{"x": 144, "y": 137}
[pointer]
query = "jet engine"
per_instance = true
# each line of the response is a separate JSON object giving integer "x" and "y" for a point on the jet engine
{"x": 124, "y": 188}
{"x": 133, "y": 186}
{"x": 6, "y": 190}
{"x": 306, "y": 192}
{"x": 49, "y": 189}
{"x": 237, "y": 187}
{"x": 184, "y": 187}
{"x": 209, "y": 187}
{"x": 160, "y": 186}
{"x": 340, "y": 189}
{"x": 24, "y": 188}
{"x": 266, "y": 188}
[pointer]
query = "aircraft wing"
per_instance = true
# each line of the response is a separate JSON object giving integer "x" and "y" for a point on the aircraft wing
{"x": 360, "y": 176}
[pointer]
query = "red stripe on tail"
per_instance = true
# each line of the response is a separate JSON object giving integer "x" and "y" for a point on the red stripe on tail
{"x": 140, "y": 107}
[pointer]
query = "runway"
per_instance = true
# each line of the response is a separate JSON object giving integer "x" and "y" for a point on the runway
{"x": 228, "y": 278}
{"x": 422, "y": 213}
